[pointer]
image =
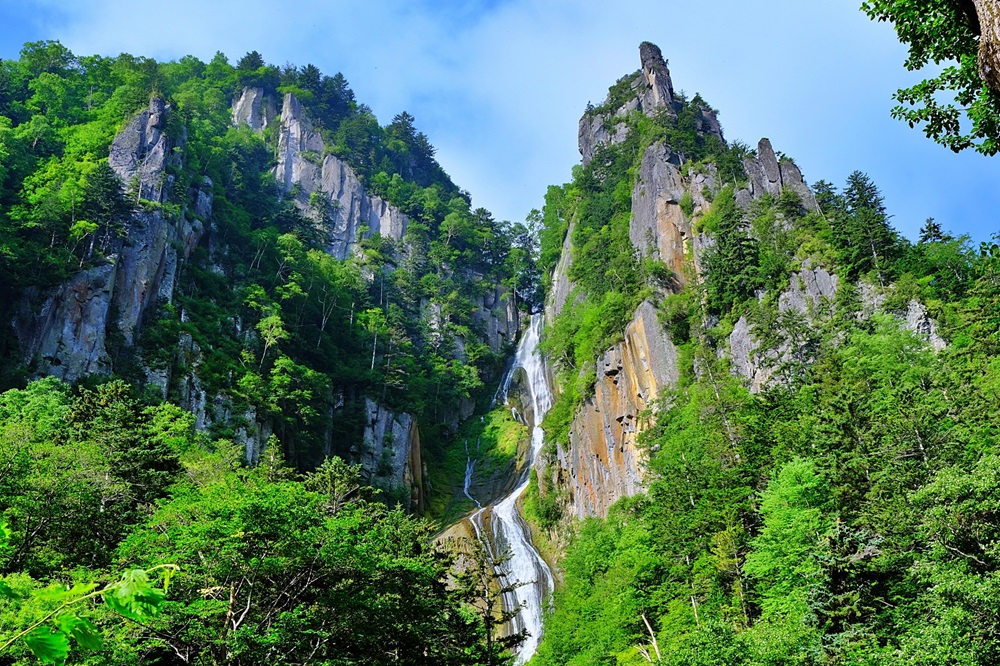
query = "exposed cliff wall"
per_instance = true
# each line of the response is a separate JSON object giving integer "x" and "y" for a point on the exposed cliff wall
{"x": 304, "y": 170}
{"x": 601, "y": 463}
{"x": 253, "y": 108}
{"x": 759, "y": 358}
{"x": 390, "y": 455}
{"x": 68, "y": 334}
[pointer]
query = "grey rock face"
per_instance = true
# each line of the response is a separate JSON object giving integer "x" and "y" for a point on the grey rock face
{"x": 562, "y": 286}
{"x": 67, "y": 335}
{"x": 347, "y": 207}
{"x": 390, "y": 452}
{"x": 769, "y": 166}
{"x": 139, "y": 154}
{"x": 498, "y": 316}
{"x": 743, "y": 357}
{"x": 768, "y": 176}
{"x": 659, "y": 228}
{"x": 593, "y": 133}
{"x": 809, "y": 294}
{"x": 251, "y": 107}
{"x": 792, "y": 179}
{"x": 70, "y": 333}
{"x": 250, "y": 433}
{"x": 352, "y": 208}
{"x": 918, "y": 321}
{"x": 150, "y": 256}
{"x": 807, "y": 290}
{"x": 659, "y": 89}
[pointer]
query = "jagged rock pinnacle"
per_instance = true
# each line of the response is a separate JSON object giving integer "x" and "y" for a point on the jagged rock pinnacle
{"x": 659, "y": 88}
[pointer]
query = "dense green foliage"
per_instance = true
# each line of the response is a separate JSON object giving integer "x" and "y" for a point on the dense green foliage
{"x": 274, "y": 567}
{"x": 945, "y": 31}
{"x": 845, "y": 513}
{"x": 261, "y": 318}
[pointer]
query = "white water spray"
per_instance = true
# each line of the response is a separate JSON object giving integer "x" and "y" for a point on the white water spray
{"x": 510, "y": 532}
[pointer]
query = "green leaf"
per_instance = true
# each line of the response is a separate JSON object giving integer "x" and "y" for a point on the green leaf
{"x": 81, "y": 629}
{"x": 7, "y": 592}
{"x": 134, "y": 597}
{"x": 51, "y": 647}
{"x": 58, "y": 593}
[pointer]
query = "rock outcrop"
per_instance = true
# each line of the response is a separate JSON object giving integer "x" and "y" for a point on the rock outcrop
{"x": 253, "y": 108}
{"x": 659, "y": 228}
{"x": 653, "y": 94}
{"x": 602, "y": 463}
{"x": 768, "y": 176}
{"x": 497, "y": 314}
{"x": 919, "y": 321}
{"x": 809, "y": 300}
{"x": 390, "y": 454}
{"x": 561, "y": 285}
{"x": 68, "y": 334}
{"x": 326, "y": 189}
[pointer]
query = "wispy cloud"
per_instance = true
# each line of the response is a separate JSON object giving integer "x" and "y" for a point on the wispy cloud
{"x": 499, "y": 85}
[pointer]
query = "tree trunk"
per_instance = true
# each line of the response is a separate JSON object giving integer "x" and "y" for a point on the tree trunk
{"x": 988, "y": 12}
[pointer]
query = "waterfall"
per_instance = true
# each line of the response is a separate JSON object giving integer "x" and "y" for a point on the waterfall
{"x": 509, "y": 530}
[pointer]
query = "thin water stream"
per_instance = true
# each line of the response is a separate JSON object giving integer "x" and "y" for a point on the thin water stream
{"x": 508, "y": 530}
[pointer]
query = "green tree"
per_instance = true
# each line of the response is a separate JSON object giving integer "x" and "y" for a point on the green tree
{"x": 966, "y": 34}
{"x": 731, "y": 267}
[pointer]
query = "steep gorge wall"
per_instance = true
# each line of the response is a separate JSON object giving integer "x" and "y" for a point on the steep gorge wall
{"x": 68, "y": 334}
{"x": 601, "y": 462}
{"x": 304, "y": 169}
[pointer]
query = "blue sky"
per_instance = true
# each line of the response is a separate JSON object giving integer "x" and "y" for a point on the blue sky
{"x": 499, "y": 85}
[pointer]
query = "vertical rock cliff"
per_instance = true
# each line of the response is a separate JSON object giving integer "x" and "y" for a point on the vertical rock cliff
{"x": 68, "y": 334}
{"x": 326, "y": 189}
{"x": 601, "y": 462}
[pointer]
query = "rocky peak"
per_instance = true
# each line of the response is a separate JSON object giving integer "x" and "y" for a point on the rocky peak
{"x": 659, "y": 89}
{"x": 653, "y": 92}
{"x": 768, "y": 175}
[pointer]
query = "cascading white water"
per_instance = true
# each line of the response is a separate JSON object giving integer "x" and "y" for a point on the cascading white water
{"x": 510, "y": 532}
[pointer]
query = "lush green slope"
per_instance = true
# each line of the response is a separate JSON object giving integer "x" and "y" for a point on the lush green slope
{"x": 280, "y": 327}
{"x": 842, "y": 515}
{"x": 274, "y": 567}
{"x": 295, "y": 564}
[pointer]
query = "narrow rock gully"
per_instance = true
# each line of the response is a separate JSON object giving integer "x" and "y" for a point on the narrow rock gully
{"x": 500, "y": 527}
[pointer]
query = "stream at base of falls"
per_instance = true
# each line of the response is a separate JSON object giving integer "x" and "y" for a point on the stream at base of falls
{"x": 508, "y": 530}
